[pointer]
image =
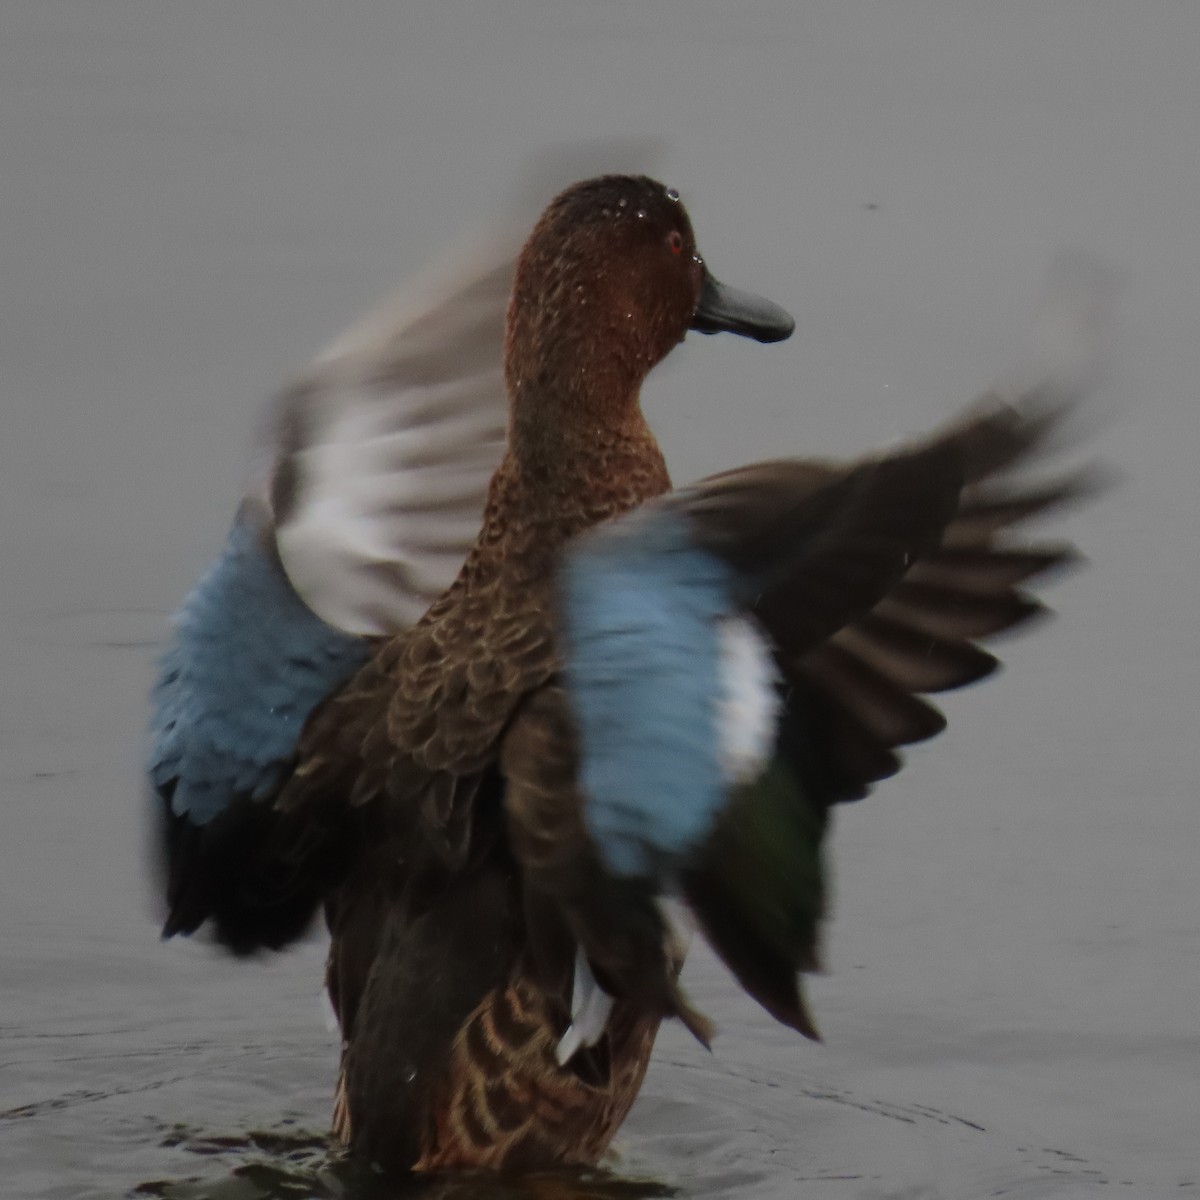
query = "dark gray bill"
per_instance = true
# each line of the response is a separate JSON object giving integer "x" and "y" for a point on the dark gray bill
{"x": 723, "y": 309}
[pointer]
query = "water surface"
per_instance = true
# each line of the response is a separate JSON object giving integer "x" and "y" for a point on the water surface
{"x": 194, "y": 197}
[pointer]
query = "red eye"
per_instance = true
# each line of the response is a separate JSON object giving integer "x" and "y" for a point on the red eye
{"x": 675, "y": 241}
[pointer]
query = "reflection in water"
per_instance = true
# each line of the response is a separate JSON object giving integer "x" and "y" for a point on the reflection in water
{"x": 290, "y": 1164}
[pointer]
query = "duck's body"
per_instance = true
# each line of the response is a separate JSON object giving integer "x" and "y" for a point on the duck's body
{"x": 430, "y": 1082}
{"x": 599, "y": 712}
{"x": 465, "y": 1073}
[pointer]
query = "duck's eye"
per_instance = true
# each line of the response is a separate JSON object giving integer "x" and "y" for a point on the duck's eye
{"x": 675, "y": 241}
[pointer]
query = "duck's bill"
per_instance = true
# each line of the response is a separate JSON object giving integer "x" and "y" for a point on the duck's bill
{"x": 723, "y": 309}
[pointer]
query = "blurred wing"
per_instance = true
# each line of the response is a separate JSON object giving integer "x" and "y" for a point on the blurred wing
{"x": 372, "y": 497}
{"x": 248, "y": 663}
{"x": 903, "y": 567}
{"x": 382, "y": 454}
{"x": 367, "y": 496}
{"x": 744, "y": 653}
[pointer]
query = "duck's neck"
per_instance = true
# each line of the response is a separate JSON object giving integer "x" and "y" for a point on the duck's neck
{"x": 559, "y": 425}
{"x": 570, "y": 464}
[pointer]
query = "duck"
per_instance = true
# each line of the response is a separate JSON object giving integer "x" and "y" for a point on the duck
{"x": 473, "y": 680}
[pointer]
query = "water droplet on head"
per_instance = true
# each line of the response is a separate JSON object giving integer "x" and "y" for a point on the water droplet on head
{"x": 624, "y": 200}
{"x": 641, "y": 214}
{"x": 673, "y": 195}
{"x": 410, "y": 1074}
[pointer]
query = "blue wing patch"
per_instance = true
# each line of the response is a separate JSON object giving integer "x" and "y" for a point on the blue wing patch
{"x": 248, "y": 664}
{"x": 640, "y": 607}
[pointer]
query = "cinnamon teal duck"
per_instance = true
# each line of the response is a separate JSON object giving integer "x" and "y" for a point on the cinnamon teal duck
{"x": 470, "y": 677}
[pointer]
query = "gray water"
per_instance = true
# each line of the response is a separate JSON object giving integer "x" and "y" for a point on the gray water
{"x": 195, "y": 196}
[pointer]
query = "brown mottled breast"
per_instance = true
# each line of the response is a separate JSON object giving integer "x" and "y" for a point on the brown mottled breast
{"x": 435, "y": 699}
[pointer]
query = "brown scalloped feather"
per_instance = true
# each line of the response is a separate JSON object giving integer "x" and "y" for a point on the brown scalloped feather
{"x": 506, "y": 1104}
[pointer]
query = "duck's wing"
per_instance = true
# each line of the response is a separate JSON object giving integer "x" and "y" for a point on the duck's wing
{"x": 368, "y": 494}
{"x": 381, "y": 455}
{"x": 747, "y": 652}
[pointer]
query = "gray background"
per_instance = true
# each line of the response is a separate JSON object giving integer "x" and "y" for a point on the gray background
{"x": 195, "y": 196}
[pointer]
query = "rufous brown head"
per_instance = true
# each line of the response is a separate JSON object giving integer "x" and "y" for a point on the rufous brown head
{"x": 608, "y": 283}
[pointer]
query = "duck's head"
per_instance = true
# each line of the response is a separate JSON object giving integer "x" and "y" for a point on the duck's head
{"x": 608, "y": 283}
